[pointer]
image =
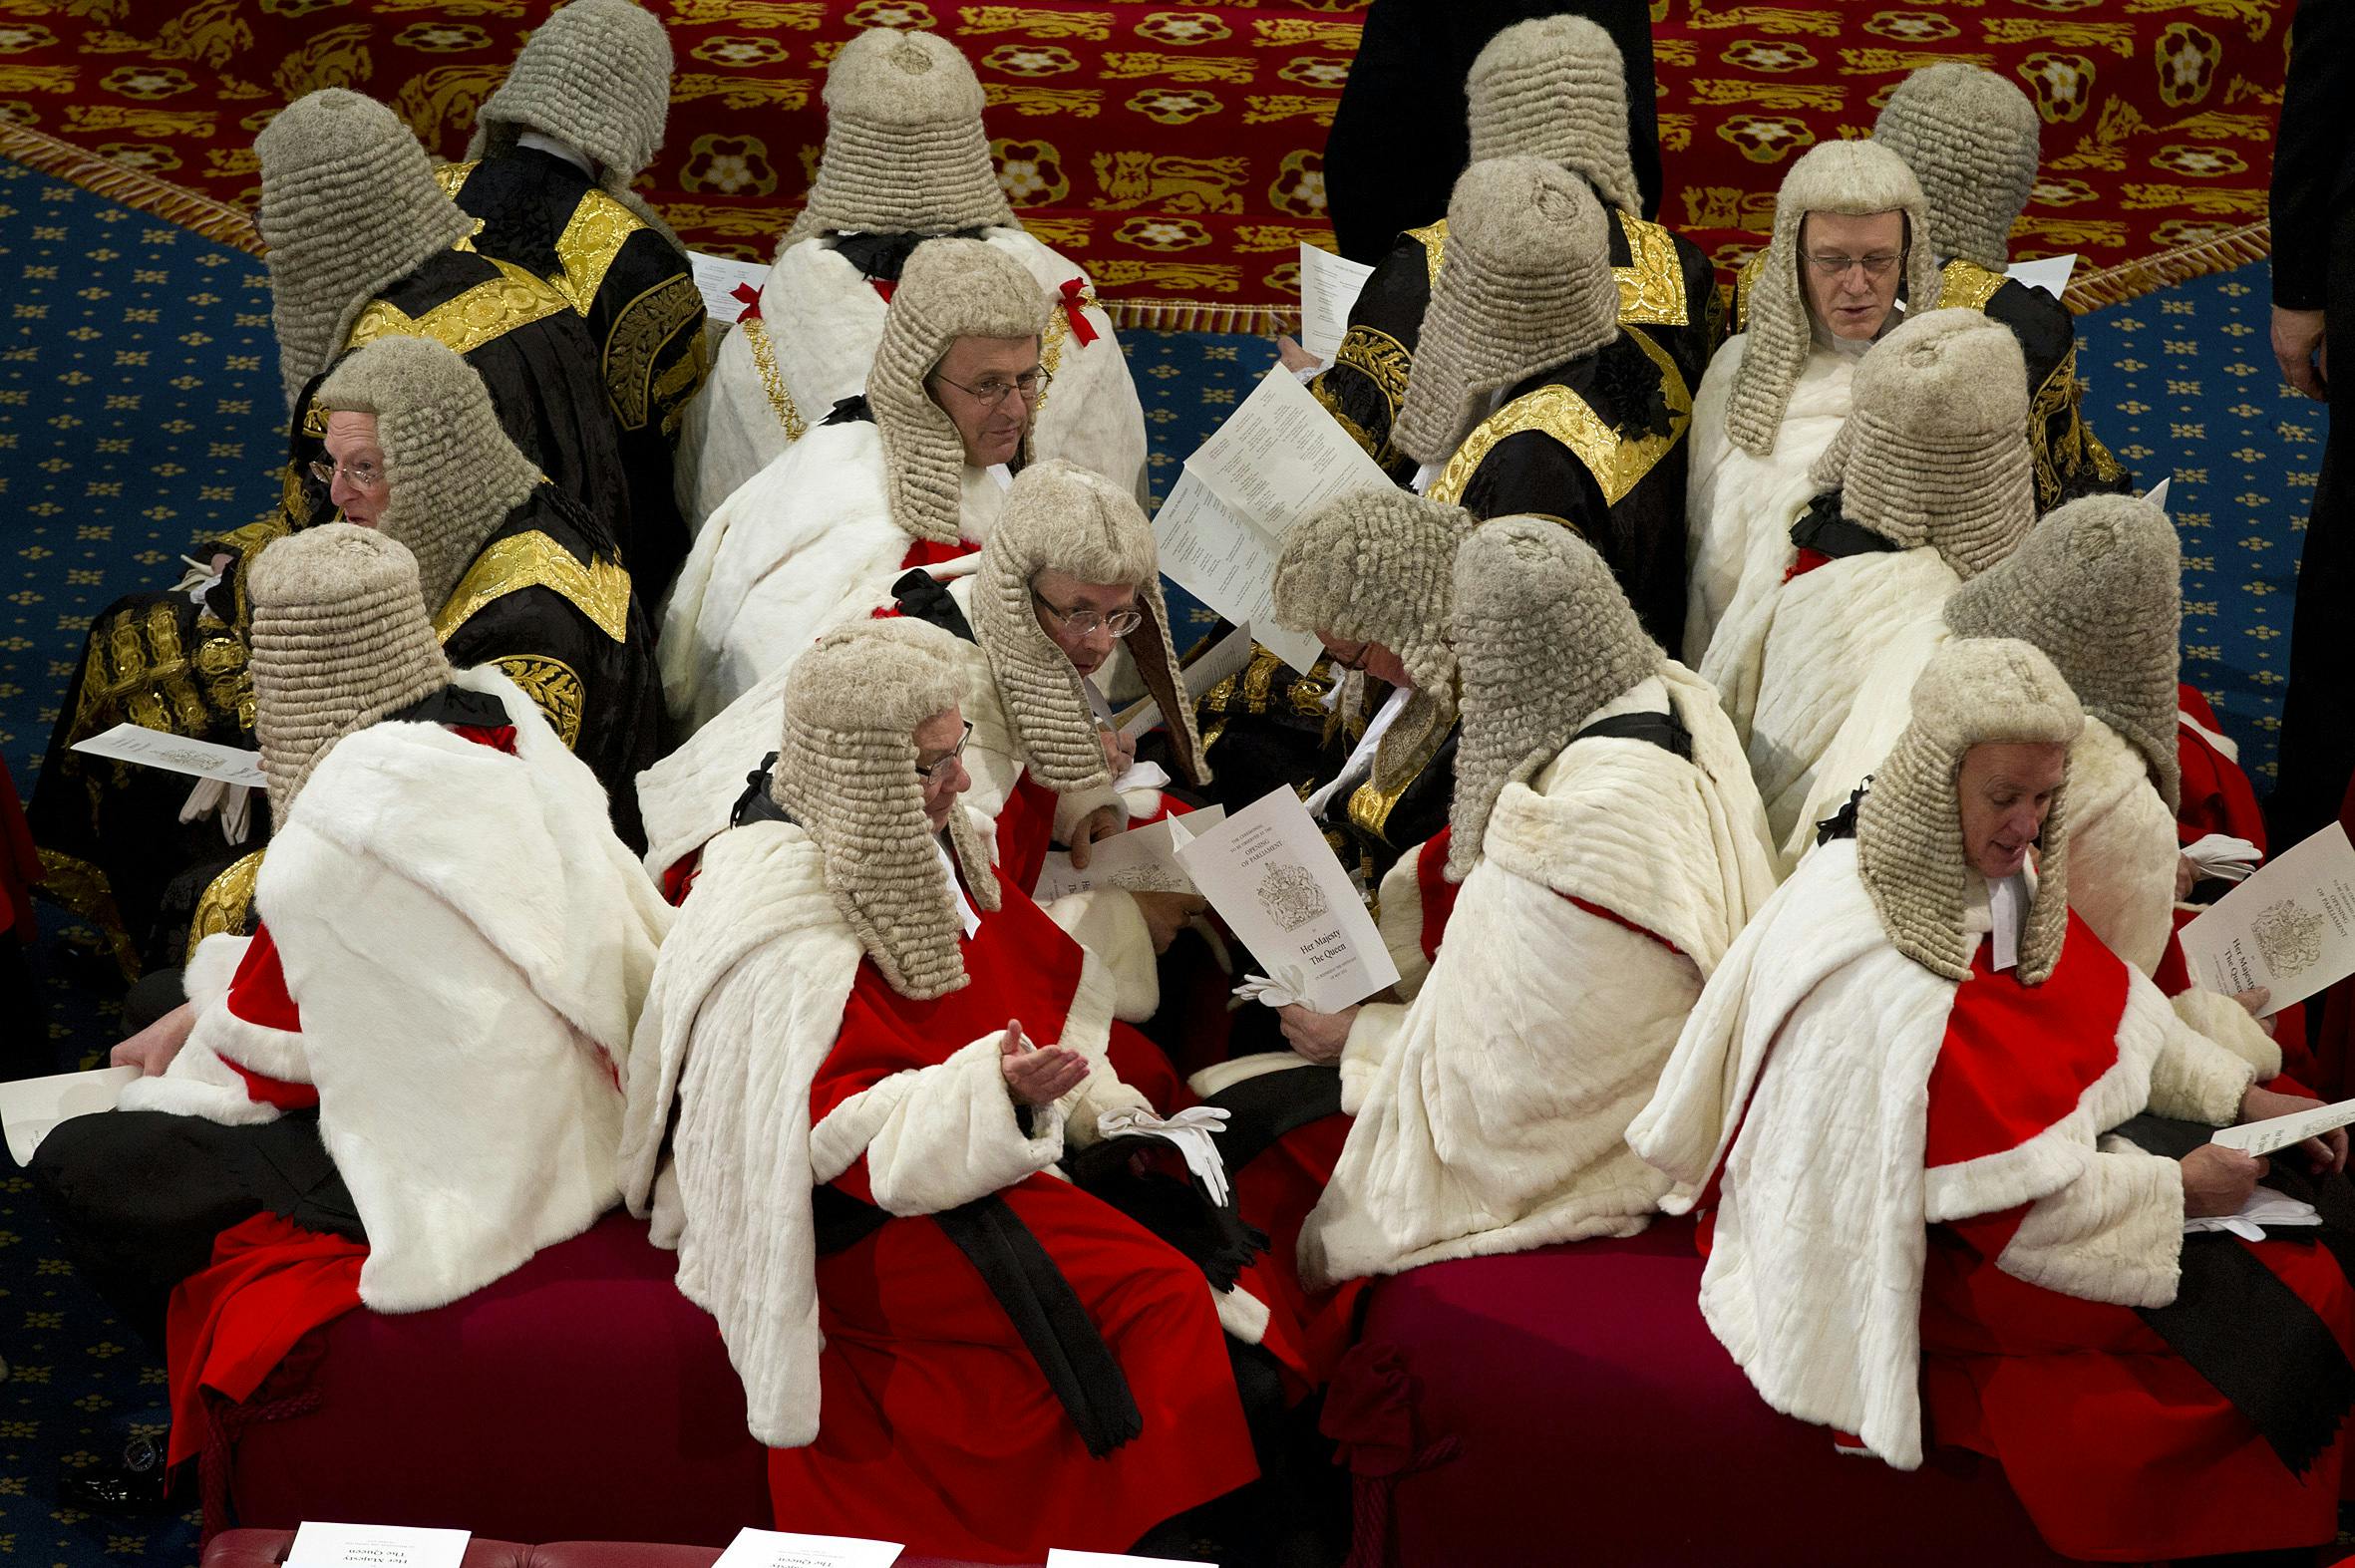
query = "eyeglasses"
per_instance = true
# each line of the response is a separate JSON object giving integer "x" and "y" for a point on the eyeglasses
{"x": 993, "y": 392}
{"x": 364, "y": 474}
{"x": 1354, "y": 662}
{"x": 1086, "y": 623}
{"x": 931, "y": 770}
{"x": 1833, "y": 266}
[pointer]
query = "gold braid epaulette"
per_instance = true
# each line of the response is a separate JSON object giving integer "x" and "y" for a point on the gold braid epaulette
{"x": 599, "y": 589}
{"x": 482, "y": 314}
{"x": 1965, "y": 286}
{"x": 1617, "y": 462}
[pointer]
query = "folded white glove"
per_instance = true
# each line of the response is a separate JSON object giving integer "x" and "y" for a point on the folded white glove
{"x": 1191, "y": 1130}
{"x": 1142, "y": 775}
{"x": 1287, "y": 986}
{"x": 2265, "y": 1207}
{"x": 234, "y": 802}
{"x": 2222, "y": 857}
{"x": 197, "y": 581}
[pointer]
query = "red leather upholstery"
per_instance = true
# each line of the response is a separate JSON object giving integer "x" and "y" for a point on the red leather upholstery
{"x": 266, "y": 1548}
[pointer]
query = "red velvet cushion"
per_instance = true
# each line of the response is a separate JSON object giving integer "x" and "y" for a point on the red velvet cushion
{"x": 580, "y": 1397}
{"x": 1589, "y": 1403}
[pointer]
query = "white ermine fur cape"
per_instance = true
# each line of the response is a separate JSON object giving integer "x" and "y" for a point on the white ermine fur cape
{"x": 1496, "y": 1118}
{"x": 1804, "y": 1068}
{"x": 468, "y": 946}
{"x": 1739, "y": 508}
{"x": 806, "y": 541}
{"x": 822, "y": 321}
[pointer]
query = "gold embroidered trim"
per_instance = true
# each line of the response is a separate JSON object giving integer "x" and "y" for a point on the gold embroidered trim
{"x": 1616, "y": 462}
{"x": 600, "y": 590}
{"x": 1051, "y": 342}
{"x": 226, "y": 907}
{"x": 592, "y": 237}
{"x": 553, "y": 689}
{"x": 82, "y": 890}
{"x": 1370, "y": 808}
{"x": 1652, "y": 285}
{"x": 639, "y": 332}
{"x": 1380, "y": 358}
{"x": 451, "y": 178}
{"x": 482, "y": 314}
{"x": 756, "y": 338}
{"x": 1433, "y": 238}
{"x": 2061, "y": 456}
{"x": 1742, "y": 282}
{"x": 1381, "y": 451}
{"x": 1965, "y": 286}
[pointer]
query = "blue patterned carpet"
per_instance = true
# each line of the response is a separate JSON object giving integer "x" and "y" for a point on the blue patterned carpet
{"x": 140, "y": 407}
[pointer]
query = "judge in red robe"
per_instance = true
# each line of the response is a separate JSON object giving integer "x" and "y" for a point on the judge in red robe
{"x": 1956, "y": 1144}
{"x": 864, "y": 1054}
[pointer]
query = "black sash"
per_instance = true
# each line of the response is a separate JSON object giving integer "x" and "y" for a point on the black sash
{"x": 882, "y": 257}
{"x": 850, "y": 411}
{"x": 2254, "y": 1340}
{"x": 455, "y": 704}
{"x": 1261, "y": 1110}
{"x": 924, "y": 597}
{"x": 757, "y": 805}
{"x": 1214, "y": 1237}
{"x": 1663, "y": 730}
{"x": 1824, "y": 531}
{"x": 1045, "y": 1311}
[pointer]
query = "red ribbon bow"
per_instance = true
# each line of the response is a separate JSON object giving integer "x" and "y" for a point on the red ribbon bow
{"x": 752, "y": 301}
{"x": 1075, "y": 301}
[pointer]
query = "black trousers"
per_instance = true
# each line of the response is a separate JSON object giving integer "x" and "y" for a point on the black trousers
{"x": 138, "y": 1196}
{"x": 2318, "y": 708}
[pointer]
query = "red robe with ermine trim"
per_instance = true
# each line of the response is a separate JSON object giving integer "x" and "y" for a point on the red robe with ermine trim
{"x": 937, "y": 1428}
{"x": 2117, "y": 1447}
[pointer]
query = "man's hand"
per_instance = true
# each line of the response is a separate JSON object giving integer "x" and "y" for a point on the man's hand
{"x": 153, "y": 1048}
{"x": 2186, "y": 877}
{"x": 1317, "y": 1036}
{"x": 1165, "y": 914}
{"x": 1102, "y": 822}
{"x": 2326, "y": 1153}
{"x": 2218, "y": 1180}
{"x": 1037, "y": 1075}
{"x": 1293, "y": 357}
{"x": 2254, "y": 999}
{"x": 2301, "y": 350}
{"x": 1120, "y": 754}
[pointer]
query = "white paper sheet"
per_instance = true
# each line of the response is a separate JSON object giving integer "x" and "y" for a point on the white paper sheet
{"x": 2290, "y": 927}
{"x": 130, "y": 742}
{"x": 717, "y": 277}
{"x": 1329, "y": 286}
{"x": 1221, "y": 659}
{"x": 1142, "y": 859}
{"x": 1275, "y": 881}
{"x": 784, "y": 1549}
{"x": 2279, "y": 1132}
{"x": 1058, "y": 1557}
{"x": 30, "y": 1107}
{"x": 2157, "y": 494}
{"x": 2050, "y": 274}
{"x": 376, "y": 1546}
{"x": 1279, "y": 459}
{"x": 1221, "y": 559}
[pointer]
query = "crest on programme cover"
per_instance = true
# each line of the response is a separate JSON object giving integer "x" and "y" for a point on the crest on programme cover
{"x": 2290, "y": 937}
{"x": 1291, "y": 897}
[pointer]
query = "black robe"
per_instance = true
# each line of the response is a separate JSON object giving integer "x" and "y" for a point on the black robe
{"x": 2313, "y": 210}
{"x": 1400, "y": 137}
{"x": 1666, "y": 286}
{"x": 1598, "y": 445}
{"x": 114, "y": 851}
{"x": 2070, "y": 458}
{"x": 634, "y": 289}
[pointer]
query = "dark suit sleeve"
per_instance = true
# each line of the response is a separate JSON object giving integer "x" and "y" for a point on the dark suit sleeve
{"x": 2312, "y": 158}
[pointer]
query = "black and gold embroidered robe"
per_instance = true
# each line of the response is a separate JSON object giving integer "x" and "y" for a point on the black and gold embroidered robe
{"x": 633, "y": 288}
{"x": 1598, "y": 445}
{"x": 1666, "y": 285}
{"x": 113, "y": 850}
{"x": 2070, "y": 460}
{"x": 548, "y": 601}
